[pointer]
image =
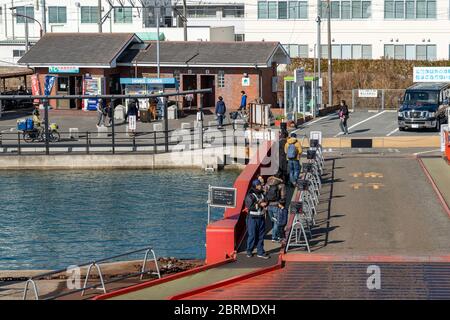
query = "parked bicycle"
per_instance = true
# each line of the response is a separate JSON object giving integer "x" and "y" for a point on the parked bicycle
{"x": 30, "y": 133}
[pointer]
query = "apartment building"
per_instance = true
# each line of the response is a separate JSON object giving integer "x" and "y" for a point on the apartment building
{"x": 411, "y": 29}
{"x": 208, "y": 22}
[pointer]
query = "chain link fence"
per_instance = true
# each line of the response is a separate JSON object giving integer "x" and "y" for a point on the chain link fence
{"x": 372, "y": 99}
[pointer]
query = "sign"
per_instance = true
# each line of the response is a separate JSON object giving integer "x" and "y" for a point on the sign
{"x": 48, "y": 84}
{"x": 431, "y": 74}
{"x": 367, "y": 93}
{"x": 35, "y": 87}
{"x": 266, "y": 135}
{"x": 245, "y": 82}
{"x": 222, "y": 197}
{"x": 63, "y": 70}
{"x": 166, "y": 82}
{"x": 299, "y": 77}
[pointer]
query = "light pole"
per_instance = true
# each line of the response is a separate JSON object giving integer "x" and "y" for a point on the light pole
{"x": 27, "y": 42}
{"x": 158, "y": 9}
{"x": 330, "y": 66}
{"x": 319, "y": 52}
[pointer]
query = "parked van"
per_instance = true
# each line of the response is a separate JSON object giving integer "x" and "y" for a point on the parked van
{"x": 424, "y": 106}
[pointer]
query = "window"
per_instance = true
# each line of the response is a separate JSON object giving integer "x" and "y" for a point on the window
{"x": 123, "y": 15}
{"x": 336, "y": 51}
{"x": 348, "y": 51}
{"x": 272, "y": 8}
{"x": 282, "y": 10}
{"x": 356, "y": 51}
{"x": 297, "y": 50}
{"x": 239, "y": 37}
{"x": 221, "y": 79}
{"x": 367, "y": 51}
{"x": 263, "y": 13}
{"x": 410, "y": 9}
{"x": 89, "y": 14}
{"x": 57, "y": 15}
{"x": 410, "y": 52}
{"x": 25, "y": 11}
{"x": 347, "y": 9}
{"x": 18, "y": 53}
{"x": 233, "y": 12}
{"x": 1, "y": 14}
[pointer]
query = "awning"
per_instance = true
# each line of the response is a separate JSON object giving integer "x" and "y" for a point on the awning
{"x": 150, "y": 36}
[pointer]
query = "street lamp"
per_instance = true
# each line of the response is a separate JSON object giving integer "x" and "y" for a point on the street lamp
{"x": 27, "y": 43}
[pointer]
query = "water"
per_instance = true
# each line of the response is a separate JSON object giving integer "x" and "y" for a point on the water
{"x": 52, "y": 219}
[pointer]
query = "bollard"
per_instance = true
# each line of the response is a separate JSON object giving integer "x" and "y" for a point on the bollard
{"x": 102, "y": 132}
{"x": 73, "y": 133}
{"x": 87, "y": 142}
{"x": 18, "y": 143}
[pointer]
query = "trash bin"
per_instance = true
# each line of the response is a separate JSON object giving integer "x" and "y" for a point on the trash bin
{"x": 119, "y": 113}
{"x": 172, "y": 112}
{"x": 145, "y": 116}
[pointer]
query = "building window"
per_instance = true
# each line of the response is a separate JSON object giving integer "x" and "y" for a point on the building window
{"x": 347, "y": 9}
{"x": 410, "y": 52}
{"x": 239, "y": 37}
{"x": 233, "y": 12}
{"x": 57, "y": 15}
{"x": 221, "y": 79}
{"x": 410, "y": 9}
{"x": 1, "y": 14}
{"x": 283, "y": 10}
{"x": 18, "y": 53}
{"x": 89, "y": 14}
{"x": 348, "y": 51}
{"x": 297, "y": 50}
{"x": 24, "y": 11}
{"x": 123, "y": 15}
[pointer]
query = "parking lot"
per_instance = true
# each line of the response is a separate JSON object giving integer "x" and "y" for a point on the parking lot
{"x": 363, "y": 124}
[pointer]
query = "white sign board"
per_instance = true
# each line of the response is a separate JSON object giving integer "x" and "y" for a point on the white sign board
{"x": 299, "y": 77}
{"x": 431, "y": 74}
{"x": 245, "y": 82}
{"x": 367, "y": 93}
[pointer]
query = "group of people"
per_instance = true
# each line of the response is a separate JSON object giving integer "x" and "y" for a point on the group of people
{"x": 221, "y": 108}
{"x": 265, "y": 198}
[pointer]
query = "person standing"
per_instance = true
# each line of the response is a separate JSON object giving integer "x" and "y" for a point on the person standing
{"x": 189, "y": 98}
{"x": 132, "y": 115}
{"x": 243, "y": 105}
{"x": 276, "y": 192}
{"x": 343, "y": 117}
{"x": 220, "y": 112}
{"x": 152, "y": 108}
{"x": 293, "y": 151}
{"x": 281, "y": 220}
{"x": 256, "y": 203}
{"x": 101, "y": 112}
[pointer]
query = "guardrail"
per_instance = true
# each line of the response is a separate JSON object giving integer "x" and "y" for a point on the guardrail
{"x": 122, "y": 142}
{"x": 94, "y": 264}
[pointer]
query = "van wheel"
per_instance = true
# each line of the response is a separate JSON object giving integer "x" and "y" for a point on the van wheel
{"x": 401, "y": 128}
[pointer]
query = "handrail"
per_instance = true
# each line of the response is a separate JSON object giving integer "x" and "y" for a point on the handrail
{"x": 32, "y": 280}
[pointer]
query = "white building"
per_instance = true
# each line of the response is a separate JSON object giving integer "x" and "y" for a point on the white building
{"x": 401, "y": 29}
{"x": 411, "y": 29}
{"x": 224, "y": 22}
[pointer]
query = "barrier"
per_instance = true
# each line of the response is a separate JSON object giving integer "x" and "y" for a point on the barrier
{"x": 447, "y": 143}
{"x": 224, "y": 236}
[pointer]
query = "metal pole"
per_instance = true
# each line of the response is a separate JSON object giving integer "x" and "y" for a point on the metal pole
{"x": 315, "y": 84}
{"x": 330, "y": 62}
{"x": 47, "y": 133}
{"x": 319, "y": 51}
{"x": 1, "y": 108}
{"x": 158, "y": 9}
{"x": 166, "y": 127}
{"x": 99, "y": 16}
{"x": 12, "y": 21}
{"x": 113, "y": 132}
{"x": 26, "y": 35}
{"x": 44, "y": 17}
{"x": 185, "y": 20}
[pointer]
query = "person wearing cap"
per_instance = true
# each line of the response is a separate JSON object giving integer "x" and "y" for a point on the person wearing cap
{"x": 281, "y": 220}
{"x": 101, "y": 112}
{"x": 256, "y": 203}
{"x": 293, "y": 151}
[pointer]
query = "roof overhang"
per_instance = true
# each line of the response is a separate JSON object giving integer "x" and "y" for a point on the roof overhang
{"x": 184, "y": 65}
{"x": 66, "y": 65}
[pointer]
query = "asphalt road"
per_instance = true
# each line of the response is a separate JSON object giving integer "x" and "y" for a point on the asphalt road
{"x": 362, "y": 124}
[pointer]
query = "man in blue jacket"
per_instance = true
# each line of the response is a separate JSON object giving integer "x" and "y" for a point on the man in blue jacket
{"x": 220, "y": 112}
{"x": 243, "y": 101}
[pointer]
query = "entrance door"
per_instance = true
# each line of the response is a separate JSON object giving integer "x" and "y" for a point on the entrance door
{"x": 208, "y": 82}
{"x": 62, "y": 88}
{"x": 190, "y": 83}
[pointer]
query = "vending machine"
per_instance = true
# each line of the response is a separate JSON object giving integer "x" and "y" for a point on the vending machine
{"x": 92, "y": 85}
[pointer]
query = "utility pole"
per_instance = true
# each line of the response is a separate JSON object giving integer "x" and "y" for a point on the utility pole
{"x": 100, "y": 23}
{"x": 330, "y": 61}
{"x": 44, "y": 17}
{"x": 185, "y": 20}
{"x": 27, "y": 42}
{"x": 319, "y": 52}
{"x": 158, "y": 9}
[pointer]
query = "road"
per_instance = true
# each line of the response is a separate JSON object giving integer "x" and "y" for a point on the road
{"x": 362, "y": 124}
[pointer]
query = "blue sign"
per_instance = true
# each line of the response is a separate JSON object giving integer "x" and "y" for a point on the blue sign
{"x": 431, "y": 74}
{"x": 48, "y": 84}
{"x": 166, "y": 82}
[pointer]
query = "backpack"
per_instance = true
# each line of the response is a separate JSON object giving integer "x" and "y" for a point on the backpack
{"x": 292, "y": 151}
{"x": 273, "y": 194}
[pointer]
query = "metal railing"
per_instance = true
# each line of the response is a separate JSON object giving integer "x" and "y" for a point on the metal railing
{"x": 94, "y": 264}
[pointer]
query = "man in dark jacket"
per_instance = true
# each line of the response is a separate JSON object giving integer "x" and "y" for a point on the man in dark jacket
{"x": 276, "y": 192}
{"x": 132, "y": 115}
{"x": 256, "y": 203}
{"x": 343, "y": 116}
{"x": 220, "y": 112}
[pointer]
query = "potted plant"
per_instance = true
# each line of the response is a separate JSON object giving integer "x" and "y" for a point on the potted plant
{"x": 279, "y": 119}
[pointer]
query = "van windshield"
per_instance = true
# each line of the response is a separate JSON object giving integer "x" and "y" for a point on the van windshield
{"x": 421, "y": 97}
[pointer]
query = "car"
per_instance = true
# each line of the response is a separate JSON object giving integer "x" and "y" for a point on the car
{"x": 424, "y": 105}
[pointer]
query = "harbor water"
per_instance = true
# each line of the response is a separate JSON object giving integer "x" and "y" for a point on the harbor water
{"x": 53, "y": 219}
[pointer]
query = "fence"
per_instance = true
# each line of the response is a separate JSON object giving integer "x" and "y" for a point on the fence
{"x": 372, "y": 99}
